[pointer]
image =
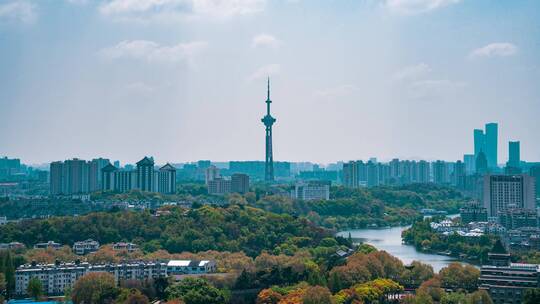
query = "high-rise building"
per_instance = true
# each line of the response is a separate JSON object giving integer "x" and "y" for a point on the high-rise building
{"x": 211, "y": 173}
{"x": 108, "y": 178}
{"x": 56, "y": 179}
{"x": 479, "y": 142}
{"x": 470, "y": 163}
{"x": 492, "y": 134}
{"x": 240, "y": 183}
{"x": 423, "y": 172}
{"x": 94, "y": 173}
{"x": 167, "y": 179}
{"x": 440, "y": 172}
{"x": 145, "y": 174}
{"x": 459, "y": 175}
{"x": 394, "y": 170}
{"x": 350, "y": 174}
{"x": 268, "y": 121}
{"x": 513, "y": 154}
{"x": 75, "y": 176}
{"x": 502, "y": 192}
{"x": 372, "y": 174}
{"x": 535, "y": 173}
{"x": 481, "y": 163}
{"x": 9, "y": 167}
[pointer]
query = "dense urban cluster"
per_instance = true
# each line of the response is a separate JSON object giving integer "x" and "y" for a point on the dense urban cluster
{"x": 265, "y": 232}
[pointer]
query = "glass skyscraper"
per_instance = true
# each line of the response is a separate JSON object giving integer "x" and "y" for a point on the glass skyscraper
{"x": 492, "y": 132}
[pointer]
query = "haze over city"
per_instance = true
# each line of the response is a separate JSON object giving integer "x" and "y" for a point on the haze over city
{"x": 184, "y": 80}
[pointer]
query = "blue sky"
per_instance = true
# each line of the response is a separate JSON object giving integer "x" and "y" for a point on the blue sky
{"x": 185, "y": 79}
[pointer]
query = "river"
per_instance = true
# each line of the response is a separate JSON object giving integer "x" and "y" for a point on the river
{"x": 389, "y": 240}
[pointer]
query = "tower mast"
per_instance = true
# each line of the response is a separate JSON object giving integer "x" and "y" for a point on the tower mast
{"x": 268, "y": 121}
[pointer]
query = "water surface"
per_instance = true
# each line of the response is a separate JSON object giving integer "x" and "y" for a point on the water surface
{"x": 389, "y": 240}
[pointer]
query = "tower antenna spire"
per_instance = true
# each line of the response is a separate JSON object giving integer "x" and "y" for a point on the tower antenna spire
{"x": 268, "y": 83}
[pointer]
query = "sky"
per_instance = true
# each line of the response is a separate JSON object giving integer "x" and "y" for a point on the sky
{"x": 183, "y": 80}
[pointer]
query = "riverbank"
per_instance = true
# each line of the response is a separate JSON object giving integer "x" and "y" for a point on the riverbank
{"x": 389, "y": 240}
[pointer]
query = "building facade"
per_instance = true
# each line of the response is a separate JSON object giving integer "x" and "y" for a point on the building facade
{"x": 502, "y": 192}
{"x": 311, "y": 191}
{"x": 240, "y": 183}
{"x": 58, "y": 277}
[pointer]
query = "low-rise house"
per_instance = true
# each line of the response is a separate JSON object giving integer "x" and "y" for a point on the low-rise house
{"x": 129, "y": 247}
{"x": 12, "y": 245}
{"x": 84, "y": 247}
{"x": 179, "y": 267}
{"x": 49, "y": 244}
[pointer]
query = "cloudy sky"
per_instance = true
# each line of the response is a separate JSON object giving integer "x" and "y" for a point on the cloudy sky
{"x": 184, "y": 80}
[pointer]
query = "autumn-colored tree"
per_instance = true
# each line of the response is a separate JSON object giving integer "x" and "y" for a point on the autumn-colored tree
{"x": 95, "y": 288}
{"x": 432, "y": 287}
{"x": 317, "y": 295}
{"x": 268, "y": 296}
{"x": 457, "y": 276}
{"x": 50, "y": 255}
{"x": 131, "y": 296}
{"x": 294, "y": 297}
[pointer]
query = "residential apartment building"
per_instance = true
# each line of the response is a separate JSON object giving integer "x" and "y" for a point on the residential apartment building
{"x": 502, "y": 192}
{"x": 311, "y": 191}
{"x": 58, "y": 277}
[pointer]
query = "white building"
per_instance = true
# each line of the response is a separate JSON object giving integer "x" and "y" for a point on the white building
{"x": 179, "y": 267}
{"x": 56, "y": 278}
{"x": 129, "y": 247}
{"x": 49, "y": 244}
{"x": 84, "y": 247}
{"x": 311, "y": 191}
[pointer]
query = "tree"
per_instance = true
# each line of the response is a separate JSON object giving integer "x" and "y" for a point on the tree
{"x": 268, "y": 296}
{"x": 95, "y": 288}
{"x": 131, "y": 296}
{"x": 457, "y": 276}
{"x": 480, "y": 297}
{"x": 35, "y": 288}
{"x": 196, "y": 291}
{"x": 317, "y": 295}
{"x": 3, "y": 284}
{"x": 531, "y": 296}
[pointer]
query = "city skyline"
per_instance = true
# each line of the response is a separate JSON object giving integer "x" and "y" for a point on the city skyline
{"x": 96, "y": 78}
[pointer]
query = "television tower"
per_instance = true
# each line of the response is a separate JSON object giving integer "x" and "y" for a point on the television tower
{"x": 268, "y": 121}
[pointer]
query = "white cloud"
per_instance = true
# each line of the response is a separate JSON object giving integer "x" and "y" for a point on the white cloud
{"x": 435, "y": 89}
{"x": 77, "y": 2}
{"x": 153, "y": 52}
{"x": 412, "y": 72}
{"x": 265, "y": 40}
{"x": 173, "y": 10}
{"x": 411, "y": 7}
{"x": 500, "y": 49}
{"x": 21, "y": 11}
{"x": 265, "y": 71}
{"x": 339, "y": 91}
